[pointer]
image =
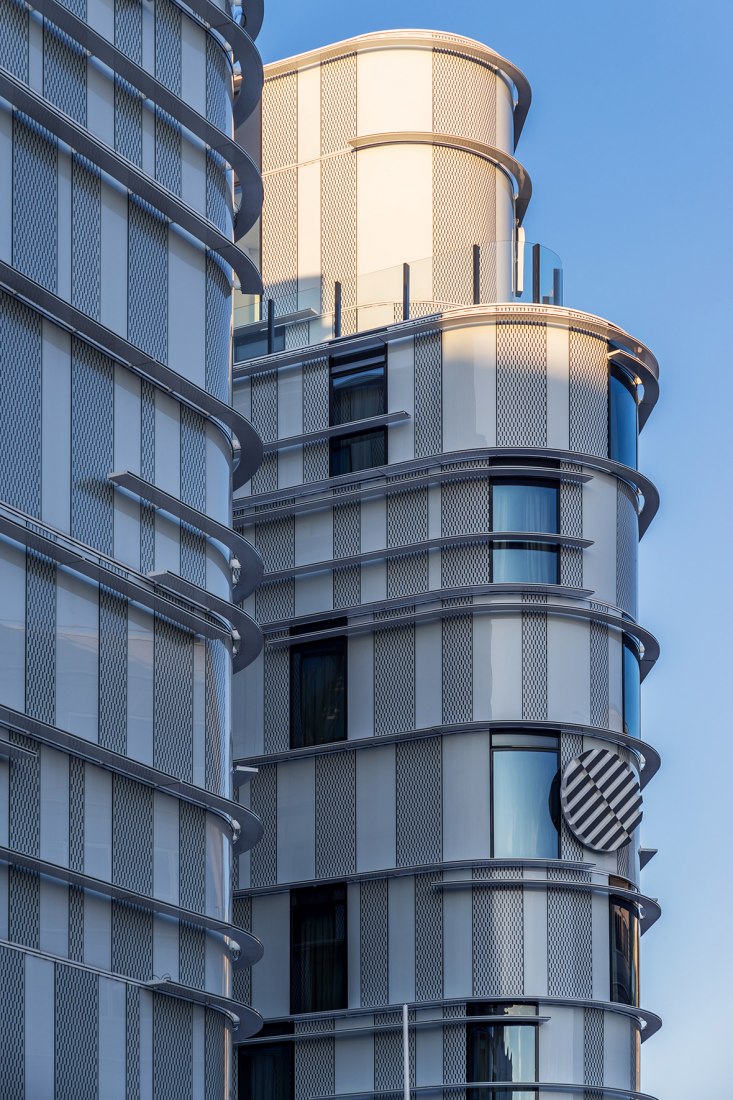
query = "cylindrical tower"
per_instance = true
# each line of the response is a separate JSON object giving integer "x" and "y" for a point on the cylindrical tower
{"x": 447, "y": 727}
{"x": 117, "y": 558}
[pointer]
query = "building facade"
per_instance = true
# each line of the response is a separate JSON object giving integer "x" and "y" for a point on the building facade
{"x": 119, "y": 570}
{"x": 445, "y": 715}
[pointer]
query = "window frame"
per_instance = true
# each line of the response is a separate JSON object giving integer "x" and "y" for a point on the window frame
{"x": 627, "y": 645}
{"x": 490, "y": 1008}
{"x": 616, "y": 902}
{"x": 298, "y": 649}
{"x": 548, "y": 483}
{"x": 281, "y": 1033}
{"x": 625, "y": 378}
{"x": 354, "y": 363}
{"x": 520, "y": 748}
{"x": 294, "y": 893}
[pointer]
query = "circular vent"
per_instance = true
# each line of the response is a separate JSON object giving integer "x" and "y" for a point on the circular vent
{"x": 601, "y": 800}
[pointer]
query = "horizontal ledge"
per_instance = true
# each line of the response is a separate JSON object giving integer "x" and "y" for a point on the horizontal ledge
{"x": 244, "y": 50}
{"x": 489, "y": 1089}
{"x": 236, "y": 815}
{"x": 198, "y": 124}
{"x": 496, "y": 156}
{"x": 244, "y": 1019}
{"x": 78, "y": 323}
{"x": 9, "y": 751}
{"x": 253, "y": 13}
{"x": 567, "y": 611}
{"x": 316, "y": 496}
{"x": 651, "y": 765}
{"x": 425, "y": 39}
{"x": 130, "y": 176}
{"x": 249, "y": 560}
{"x": 281, "y": 321}
{"x": 67, "y": 552}
{"x": 381, "y": 1029}
{"x": 444, "y": 542}
{"x": 352, "y": 427}
{"x": 249, "y": 640}
{"x": 248, "y": 946}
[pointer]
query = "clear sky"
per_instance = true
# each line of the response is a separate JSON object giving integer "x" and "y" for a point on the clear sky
{"x": 629, "y": 145}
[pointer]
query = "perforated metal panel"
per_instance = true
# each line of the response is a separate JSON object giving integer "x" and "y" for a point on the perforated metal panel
{"x": 419, "y": 770}
{"x": 40, "y": 639}
{"x": 173, "y": 734}
{"x": 457, "y": 646}
{"x": 571, "y": 746}
{"x": 280, "y": 113}
{"x": 132, "y": 1043}
{"x": 347, "y": 540}
{"x": 192, "y": 955}
{"x": 76, "y": 1026}
{"x": 24, "y": 797}
{"x": 407, "y": 522}
{"x": 172, "y": 1049}
{"x": 428, "y": 394}
{"x": 14, "y": 38}
{"x": 464, "y": 510}
{"x": 280, "y": 240}
{"x": 462, "y": 181}
{"x": 147, "y": 258}
{"x": 599, "y": 687}
{"x": 218, "y": 192}
{"x": 218, "y": 327}
{"x": 335, "y": 814}
{"x": 264, "y": 803}
{"x": 76, "y": 924}
{"x": 464, "y": 97}
{"x": 315, "y": 416}
{"x": 218, "y": 83}
{"x": 394, "y": 680}
{"x": 192, "y": 857}
{"x": 168, "y": 152}
{"x": 569, "y": 942}
{"x": 193, "y": 492}
{"x": 24, "y": 908}
{"x": 35, "y": 209}
{"x": 593, "y": 1050}
{"x": 128, "y": 120}
{"x": 338, "y": 186}
{"x": 92, "y": 446}
{"x": 242, "y": 978}
{"x": 521, "y": 385}
{"x": 64, "y": 73}
{"x": 588, "y": 394}
{"x": 389, "y": 1056}
{"x": 264, "y": 421}
{"x": 374, "y": 946}
{"x": 112, "y": 670}
{"x": 627, "y": 547}
{"x": 20, "y": 405}
{"x": 132, "y": 941}
{"x": 132, "y": 834}
{"x": 315, "y": 1062}
{"x": 428, "y": 939}
{"x": 454, "y": 1050}
{"x": 571, "y": 523}
{"x": 498, "y": 935}
{"x": 86, "y": 237}
{"x": 217, "y": 668}
{"x": 216, "y": 1056}
{"x": 275, "y": 602}
{"x": 12, "y": 1013}
{"x": 534, "y": 659}
{"x": 275, "y": 542}
{"x": 147, "y": 470}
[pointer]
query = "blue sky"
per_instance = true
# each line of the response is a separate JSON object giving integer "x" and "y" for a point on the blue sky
{"x": 628, "y": 143}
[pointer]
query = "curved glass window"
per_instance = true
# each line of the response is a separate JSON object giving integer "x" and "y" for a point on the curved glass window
{"x": 624, "y": 952}
{"x": 525, "y": 506}
{"x": 524, "y": 801}
{"x": 500, "y": 1052}
{"x": 631, "y": 689}
{"x": 622, "y": 418}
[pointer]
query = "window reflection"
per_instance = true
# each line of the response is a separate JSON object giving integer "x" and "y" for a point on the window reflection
{"x": 631, "y": 689}
{"x": 500, "y": 1052}
{"x": 525, "y": 506}
{"x": 358, "y": 390}
{"x": 318, "y": 690}
{"x": 622, "y": 418}
{"x": 266, "y": 1070}
{"x": 624, "y": 952}
{"x": 524, "y": 800}
{"x": 318, "y": 976}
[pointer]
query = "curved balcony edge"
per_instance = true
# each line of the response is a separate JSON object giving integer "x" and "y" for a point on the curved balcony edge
{"x": 244, "y": 50}
{"x": 163, "y": 377}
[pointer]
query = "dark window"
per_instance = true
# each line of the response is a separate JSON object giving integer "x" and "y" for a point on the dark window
{"x": 497, "y": 1051}
{"x": 631, "y": 689}
{"x": 624, "y": 952}
{"x": 525, "y": 506}
{"x": 358, "y": 392}
{"x": 250, "y": 345}
{"x": 318, "y": 964}
{"x": 266, "y": 1069}
{"x": 525, "y": 801}
{"x": 622, "y": 417}
{"x": 318, "y": 690}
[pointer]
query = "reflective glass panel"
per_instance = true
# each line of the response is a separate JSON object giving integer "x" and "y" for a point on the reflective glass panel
{"x": 622, "y": 419}
{"x": 318, "y": 692}
{"x": 524, "y": 563}
{"x": 357, "y": 392}
{"x": 524, "y": 506}
{"x": 318, "y": 963}
{"x": 500, "y": 1052}
{"x": 631, "y": 690}
{"x": 524, "y": 803}
{"x": 624, "y": 953}
{"x": 360, "y": 451}
{"x": 266, "y": 1072}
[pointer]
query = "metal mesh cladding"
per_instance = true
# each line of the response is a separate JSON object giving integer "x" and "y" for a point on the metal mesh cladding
{"x": 76, "y": 1024}
{"x": 12, "y": 1012}
{"x": 35, "y": 208}
{"x": 394, "y": 680}
{"x": 218, "y": 327}
{"x": 315, "y": 1063}
{"x": 588, "y": 408}
{"x": 242, "y": 978}
{"x": 571, "y": 523}
{"x": 454, "y": 1050}
{"x": 464, "y": 97}
{"x": 407, "y": 524}
{"x": 132, "y": 834}
{"x": 172, "y": 1047}
{"x": 498, "y": 935}
{"x": 457, "y": 651}
{"x": 86, "y": 237}
{"x": 464, "y": 510}
{"x": 113, "y": 640}
{"x": 593, "y": 1051}
{"x": 280, "y": 240}
{"x": 428, "y": 939}
{"x": 20, "y": 405}
{"x": 192, "y": 856}
{"x": 40, "y": 640}
{"x": 534, "y": 658}
{"x": 335, "y": 814}
{"x": 338, "y": 185}
{"x": 92, "y": 446}
{"x": 64, "y": 73}
{"x": 599, "y": 675}
{"x": 173, "y": 751}
{"x": 276, "y": 699}
{"x": 569, "y": 943}
{"x": 147, "y": 251}
{"x": 374, "y": 940}
{"x": 132, "y": 941}
{"x": 263, "y": 857}
{"x": 428, "y": 394}
{"x": 216, "y": 1055}
{"x": 14, "y": 38}
{"x": 462, "y": 181}
{"x": 521, "y": 385}
{"x": 419, "y": 769}
{"x": 218, "y": 82}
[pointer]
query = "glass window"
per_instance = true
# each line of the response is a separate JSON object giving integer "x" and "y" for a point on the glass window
{"x": 266, "y": 1069}
{"x": 622, "y": 418}
{"x": 318, "y": 691}
{"x": 525, "y": 506}
{"x": 500, "y": 1052}
{"x": 358, "y": 391}
{"x": 624, "y": 952}
{"x": 318, "y": 964}
{"x": 525, "y": 803}
{"x": 631, "y": 689}
{"x": 250, "y": 345}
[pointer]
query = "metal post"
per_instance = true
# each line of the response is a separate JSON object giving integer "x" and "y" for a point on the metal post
{"x": 405, "y": 1054}
{"x": 535, "y": 273}
{"x": 337, "y": 309}
{"x": 270, "y": 326}
{"x": 477, "y": 274}
{"x": 405, "y": 292}
{"x": 557, "y": 286}
{"x": 261, "y": 316}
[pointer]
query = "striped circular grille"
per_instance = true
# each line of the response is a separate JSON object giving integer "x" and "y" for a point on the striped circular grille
{"x": 601, "y": 800}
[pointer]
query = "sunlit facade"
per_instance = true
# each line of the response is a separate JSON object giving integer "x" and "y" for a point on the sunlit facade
{"x": 445, "y": 718}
